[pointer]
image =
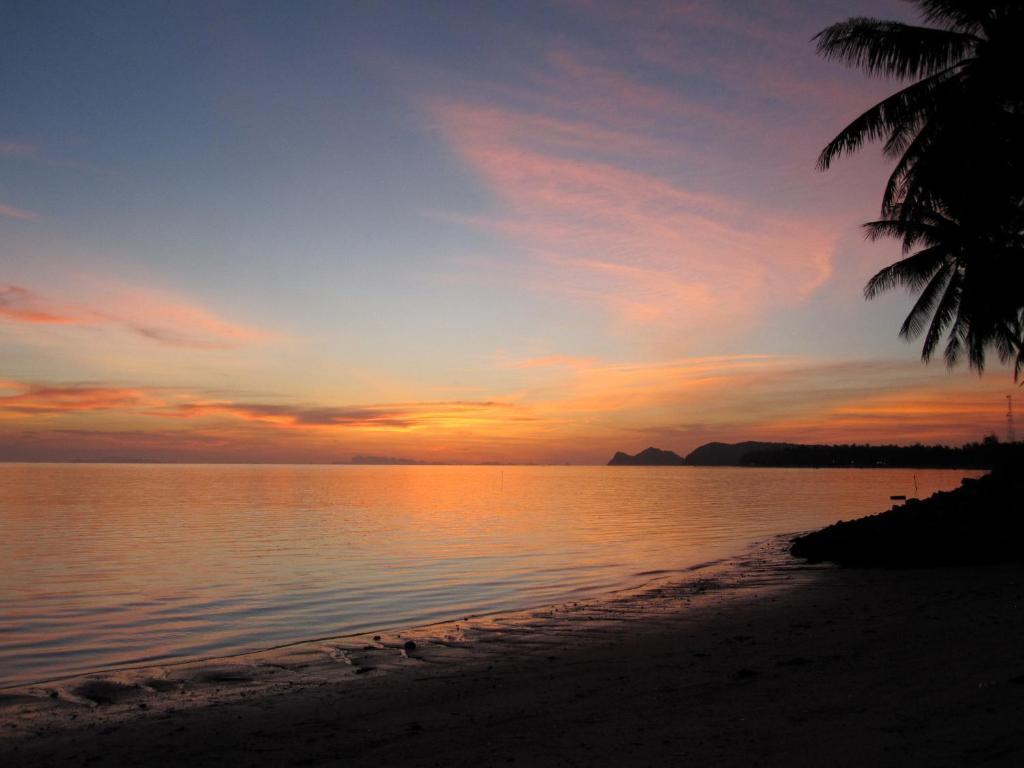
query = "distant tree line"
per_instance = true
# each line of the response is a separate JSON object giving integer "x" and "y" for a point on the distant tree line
{"x": 984, "y": 455}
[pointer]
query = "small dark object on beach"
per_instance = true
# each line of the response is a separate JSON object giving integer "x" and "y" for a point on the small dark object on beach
{"x": 104, "y": 692}
{"x": 409, "y": 646}
{"x": 376, "y": 638}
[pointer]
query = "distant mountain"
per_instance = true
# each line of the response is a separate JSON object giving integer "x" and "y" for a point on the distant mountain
{"x": 729, "y": 454}
{"x": 385, "y": 460}
{"x": 650, "y": 457}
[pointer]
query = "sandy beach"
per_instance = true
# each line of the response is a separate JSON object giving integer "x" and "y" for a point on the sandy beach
{"x": 759, "y": 660}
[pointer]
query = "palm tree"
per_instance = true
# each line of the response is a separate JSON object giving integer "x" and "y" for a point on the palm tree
{"x": 957, "y": 187}
{"x": 967, "y": 281}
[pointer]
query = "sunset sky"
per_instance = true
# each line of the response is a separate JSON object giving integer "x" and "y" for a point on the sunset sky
{"x": 542, "y": 232}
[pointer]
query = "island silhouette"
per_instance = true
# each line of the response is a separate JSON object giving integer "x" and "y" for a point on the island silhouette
{"x": 985, "y": 454}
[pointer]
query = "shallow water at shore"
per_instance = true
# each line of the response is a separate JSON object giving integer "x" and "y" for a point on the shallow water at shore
{"x": 105, "y": 566}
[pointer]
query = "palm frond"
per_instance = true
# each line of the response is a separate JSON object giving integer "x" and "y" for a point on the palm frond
{"x": 962, "y": 15}
{"x": 911, "y": 233}
{"x": 913, "y": 272}
{"x": 917, "y": 319}
{"x": 954, "y": 349}
{"x": 910, "y": 104}
{"x": 894, "y": 49}
{"x": 900, "y": 180}
{"x": 945, "y": 313}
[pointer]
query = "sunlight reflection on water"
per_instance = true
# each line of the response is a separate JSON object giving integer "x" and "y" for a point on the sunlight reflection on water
{"x": 111, "y": 565}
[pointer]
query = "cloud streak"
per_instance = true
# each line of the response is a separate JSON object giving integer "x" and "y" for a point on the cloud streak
{"x": 17, "y": 148}
{"x": 157, "y": 317}
{"x": 387, "y": 416}
{"x": 562, "y": 409}
{"x": 30, "y": 399}
{"x": 20, "y": 214}
{"x": 612, "y": 187}
{"x": 21, "y": 399}
{"x": 637, "y": 244}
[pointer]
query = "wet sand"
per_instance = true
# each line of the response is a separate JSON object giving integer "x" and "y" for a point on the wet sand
{"x": 756, "y": 661}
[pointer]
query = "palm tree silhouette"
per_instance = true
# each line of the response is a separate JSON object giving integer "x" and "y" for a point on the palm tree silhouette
{"x": 957, "y": 188}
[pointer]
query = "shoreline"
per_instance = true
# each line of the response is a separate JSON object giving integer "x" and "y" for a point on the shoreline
{"x": 388, "y": 636}
{"x": 758, "y": 659}
{"x": 408, "y": 629}
{"x": 131, "y": 669}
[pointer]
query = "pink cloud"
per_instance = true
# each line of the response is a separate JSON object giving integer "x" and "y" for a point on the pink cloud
{"x": 21, "y": 305}
{"x": 17, "y": 213}
{"x": 643, "y": 246}
{"x": 153, "y": 315}
{"x": 17, "y": 148}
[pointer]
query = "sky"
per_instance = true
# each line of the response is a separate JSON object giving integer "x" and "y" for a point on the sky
{"x": 513, "y": 232}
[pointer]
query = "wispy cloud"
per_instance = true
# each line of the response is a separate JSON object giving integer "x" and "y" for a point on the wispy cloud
{"x": 153, "y": 315}
{"x": 21, "y": 305}
{"x": 21, "y": 398}
{"x": 38, "y": 399}
{"x": 17, "y": 148}
{"x": 627, "y": 193}
{"x": 636, "y": 243}
{"x": 384, "y": 416}
{"x": 549, "y": 361}
{"x": 17, "y": 213}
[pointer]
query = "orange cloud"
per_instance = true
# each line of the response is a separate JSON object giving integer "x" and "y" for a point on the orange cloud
{"x": 23, "y": 306}
{"x": 33, "y": 399}
{"x": 151, "y": 315}
{"x": 39, "y": 399}
{"x": 548, "y": 361}
{"x": 563, "y": 409}
{"x": 386, "y": 416}
{"x": 916, "y": 414}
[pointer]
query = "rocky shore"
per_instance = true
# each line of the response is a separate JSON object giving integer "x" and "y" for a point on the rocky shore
{"x": 980, "y": 522}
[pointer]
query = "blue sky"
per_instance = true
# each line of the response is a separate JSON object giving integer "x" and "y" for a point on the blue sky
{"x": 534, "y": 231}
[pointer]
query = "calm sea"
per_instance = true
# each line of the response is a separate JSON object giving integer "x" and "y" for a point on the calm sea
{"x": 103, "y": 566}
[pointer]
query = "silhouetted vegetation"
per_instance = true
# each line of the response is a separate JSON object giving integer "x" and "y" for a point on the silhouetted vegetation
{"x": 984, "y": 455}
{"x": 980, "y": 522}
{"x": 956, "y": 195}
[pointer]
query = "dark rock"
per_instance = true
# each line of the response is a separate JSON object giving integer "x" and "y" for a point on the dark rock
{"x": 105, "y": 691}
{"x": 649, "y": 457}
{"x": 409, "y": 646}
{"x": 980, "y": 522}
